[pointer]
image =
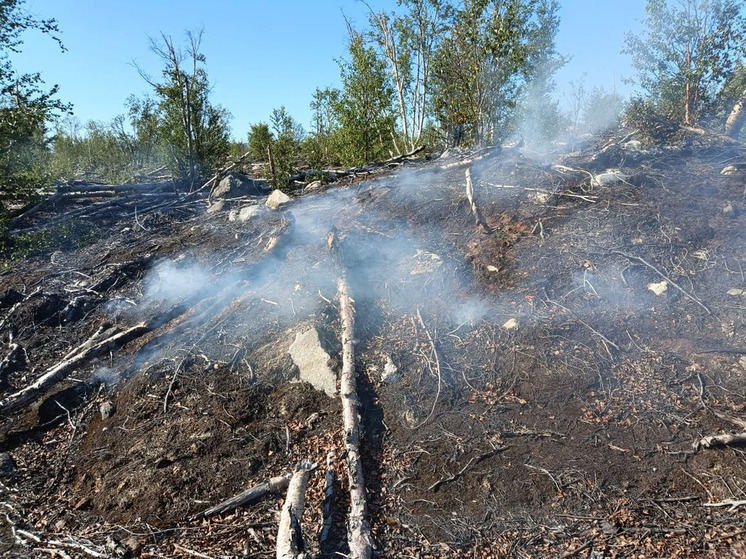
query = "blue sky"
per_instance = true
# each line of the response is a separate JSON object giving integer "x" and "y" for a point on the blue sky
{"x": 262, "y": 53}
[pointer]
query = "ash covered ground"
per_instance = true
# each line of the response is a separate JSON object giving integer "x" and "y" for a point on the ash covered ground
{"x": 535, "y": 376}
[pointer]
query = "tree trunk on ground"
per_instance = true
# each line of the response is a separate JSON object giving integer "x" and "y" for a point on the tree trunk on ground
{"x": 93, "y": 347}
{"x": 358, "y": 526}
{"x": 273, "y": 485}
{"x": 289, "y": 537}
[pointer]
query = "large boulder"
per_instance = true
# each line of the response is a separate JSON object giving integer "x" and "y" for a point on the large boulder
{"x": 236, "y": 185}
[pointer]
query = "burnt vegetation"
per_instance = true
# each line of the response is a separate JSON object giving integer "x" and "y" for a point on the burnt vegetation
{"x": 492, "y": 350}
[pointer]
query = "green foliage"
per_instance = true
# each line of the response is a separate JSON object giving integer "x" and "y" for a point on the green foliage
{"x": 285, "y": 148}
{"x": 260, "y": 140}
{"x": 686, "y": 52}
{"x": 279, "y": 146}
{"x": 25, "y": 109}
{"x": 61, "y": 236}
{"x": 646, "y": 116}
{"x": 492, "y": 51}
{"x": 364, "y": 109}
{"x": 194, "y": 130}
{"x": 318, "y": 148}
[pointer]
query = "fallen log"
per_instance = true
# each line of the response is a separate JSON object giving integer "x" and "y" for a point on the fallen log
{"x": 290, "y": 544}
{"x": 713, "y": 441}
{"x": 91, "y": 348}
{"x": 358, "y": 527}
{"x": 273, "y": 485}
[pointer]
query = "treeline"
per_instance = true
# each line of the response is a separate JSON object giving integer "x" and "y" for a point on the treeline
{"x": 433, "y": 72}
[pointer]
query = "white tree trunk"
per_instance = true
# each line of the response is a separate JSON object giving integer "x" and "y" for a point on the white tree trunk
{"x": 358, "y": 526}
{"x": 735, "y": 119}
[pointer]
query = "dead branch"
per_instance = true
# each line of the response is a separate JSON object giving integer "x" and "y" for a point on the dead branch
{"x": 290, "y": 542}
{"x": 402, "y": 156}
{"x": 732, "y": 504}
{"x": 358, "y": 527}
{"x": 473, "y": 204}
{"x": 476, "y": 156}
{"x": 89, "y": 349}
{"x": 273, "y": 485}
{"x": 437, "y": 370}
{"x": 24, "y": 536}
{"x": 720, "y": 440}
{"x": 604, "y": 339}
{"x": 328, "y": 506}
{"x": 474, "y": 460}
{"x": 665, "y": 277}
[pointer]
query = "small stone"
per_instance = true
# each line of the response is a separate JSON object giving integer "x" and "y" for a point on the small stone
{"x": 7, "y": 465}
{"x": 107, "y": 409}
{"x": 736, "y": 292}
{"x": 247, "y": 212}
{"x": 511, "y": 324}
{"x": 216, "y": 207}
{"x": 658, "y": 288}
{"x": 390, "y": 371}
{"x": 729, "y": 210}
{"x": 277, "y": 199}
{"x": 134, "y": 545}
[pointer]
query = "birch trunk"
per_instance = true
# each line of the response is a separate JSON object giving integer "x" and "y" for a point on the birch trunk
{"x": 358, "y": 527}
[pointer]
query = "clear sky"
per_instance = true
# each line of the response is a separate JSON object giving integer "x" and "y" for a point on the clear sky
{"x": 265, "y": 53}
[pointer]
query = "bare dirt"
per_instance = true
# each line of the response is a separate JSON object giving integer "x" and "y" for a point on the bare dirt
{"x": 545, "y": 401}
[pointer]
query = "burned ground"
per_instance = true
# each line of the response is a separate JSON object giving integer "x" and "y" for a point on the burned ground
{"x": 533, "y": 387}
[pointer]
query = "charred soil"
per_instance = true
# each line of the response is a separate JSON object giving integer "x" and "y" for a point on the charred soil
{"x": 533, "y": 385}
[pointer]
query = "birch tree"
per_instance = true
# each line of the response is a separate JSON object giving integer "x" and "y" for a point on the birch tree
{"x": 686, "y": 52}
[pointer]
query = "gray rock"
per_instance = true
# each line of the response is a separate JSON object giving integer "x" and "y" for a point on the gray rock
{"x": 247, "y": 212}
{"x": 313, "y": 362}
{"x": 7, "y": 465}
{"x": 236, "y": 185}
{"x": 277, "y": 199}
{"x": 390, "y": 371}
{"x": 107, "y": 409}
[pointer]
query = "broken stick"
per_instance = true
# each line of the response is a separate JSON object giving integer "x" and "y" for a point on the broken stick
{"x": 358, "y": 527}
{"x": 272, "y": 485}
{"x": 290, "y": 544}
{"x": 473, "y": 204}
{"x": 720, "y": 440}
{"x": 75, "y": 358}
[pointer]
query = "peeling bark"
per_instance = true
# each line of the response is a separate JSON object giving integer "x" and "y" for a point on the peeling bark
{"x": 272, "y": 485}
{"x": 91, "y": 348}
{"x": 735, "y": 119}
{"x": 290, "y": 542}
{"x": 358, "y": 527}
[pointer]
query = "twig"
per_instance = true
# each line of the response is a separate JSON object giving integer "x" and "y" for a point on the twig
{"x": 58, "y": 543}
{"x": 665, "y": 277}
{"x": 732, "y": 504}
{"x": 474, "y": 459}
{"x": 599, "y": 334}
{"x": 583, "y": 547}
{"x": 437, "y": 370}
